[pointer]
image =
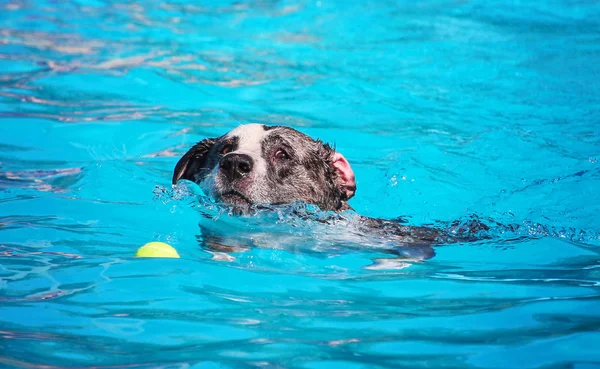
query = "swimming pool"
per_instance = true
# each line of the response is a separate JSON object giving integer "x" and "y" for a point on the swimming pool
{"x": 445, "y": 109}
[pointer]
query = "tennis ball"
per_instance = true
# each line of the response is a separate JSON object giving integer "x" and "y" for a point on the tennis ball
{"x": 156, "y": 250}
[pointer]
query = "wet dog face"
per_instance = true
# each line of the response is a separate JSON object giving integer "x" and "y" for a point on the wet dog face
{"x": 256, "y": 164}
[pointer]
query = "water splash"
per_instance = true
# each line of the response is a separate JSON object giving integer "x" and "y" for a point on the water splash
{"x": 301, "y": 227}
{"x": 497, "y": 229}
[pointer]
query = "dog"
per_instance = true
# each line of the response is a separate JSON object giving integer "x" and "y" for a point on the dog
{"x": 255, "y": 165}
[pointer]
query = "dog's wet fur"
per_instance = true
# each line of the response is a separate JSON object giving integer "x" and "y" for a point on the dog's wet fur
{"x": 256, "y": 164}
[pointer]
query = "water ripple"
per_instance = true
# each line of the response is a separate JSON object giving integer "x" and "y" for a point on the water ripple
{"x": 450, "y": 113}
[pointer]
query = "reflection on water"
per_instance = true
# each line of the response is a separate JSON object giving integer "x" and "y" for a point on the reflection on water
{"x": 450, "y": 113}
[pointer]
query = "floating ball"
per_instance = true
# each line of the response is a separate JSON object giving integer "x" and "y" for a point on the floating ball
{"x": 156, "y": 250}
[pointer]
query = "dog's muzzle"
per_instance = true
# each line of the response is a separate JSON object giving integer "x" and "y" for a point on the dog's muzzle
{"x": 235, "y": 166}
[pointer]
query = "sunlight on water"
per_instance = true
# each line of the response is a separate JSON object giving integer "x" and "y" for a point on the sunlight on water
{"x": 451, "y": 114}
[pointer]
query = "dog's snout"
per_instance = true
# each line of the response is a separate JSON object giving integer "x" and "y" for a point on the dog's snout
{"x": 235, "y": 166}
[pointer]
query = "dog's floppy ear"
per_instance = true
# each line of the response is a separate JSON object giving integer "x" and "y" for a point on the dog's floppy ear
{"x": 345, "y": 175}
{"x": 193, "y": 161}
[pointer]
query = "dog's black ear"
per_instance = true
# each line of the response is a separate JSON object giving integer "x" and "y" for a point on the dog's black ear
{"x": 193, "y": 161}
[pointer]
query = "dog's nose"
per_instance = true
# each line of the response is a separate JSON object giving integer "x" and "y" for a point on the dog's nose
{"x": 235, "y": 166}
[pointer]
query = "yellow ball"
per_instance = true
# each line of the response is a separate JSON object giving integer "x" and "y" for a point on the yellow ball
{"x": 156, "y": 250}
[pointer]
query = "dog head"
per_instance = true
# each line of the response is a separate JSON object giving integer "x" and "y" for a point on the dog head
{"x": 257, "y": 164}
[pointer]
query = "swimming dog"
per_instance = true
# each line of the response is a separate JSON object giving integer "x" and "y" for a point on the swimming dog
{"x": 256, "y": 164}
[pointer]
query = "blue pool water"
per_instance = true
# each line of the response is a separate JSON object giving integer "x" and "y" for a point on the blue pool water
{"x": 445, "y": 109}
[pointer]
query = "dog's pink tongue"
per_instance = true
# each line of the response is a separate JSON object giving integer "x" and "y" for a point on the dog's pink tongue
{"x": 345, "y": 174}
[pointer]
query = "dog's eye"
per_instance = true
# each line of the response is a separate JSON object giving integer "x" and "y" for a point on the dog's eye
{"x": 281, "y": 155}
{"x": 226, "y": 149}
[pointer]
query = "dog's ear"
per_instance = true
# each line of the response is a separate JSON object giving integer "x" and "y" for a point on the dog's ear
{"x": 193, "y": 161}
{"x": 345, "y": 175}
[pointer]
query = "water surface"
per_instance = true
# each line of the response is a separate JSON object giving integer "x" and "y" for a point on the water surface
{"x": 445, "y": 109}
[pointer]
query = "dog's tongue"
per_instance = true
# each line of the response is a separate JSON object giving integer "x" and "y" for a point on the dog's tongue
{"x": 345, "y": 175}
